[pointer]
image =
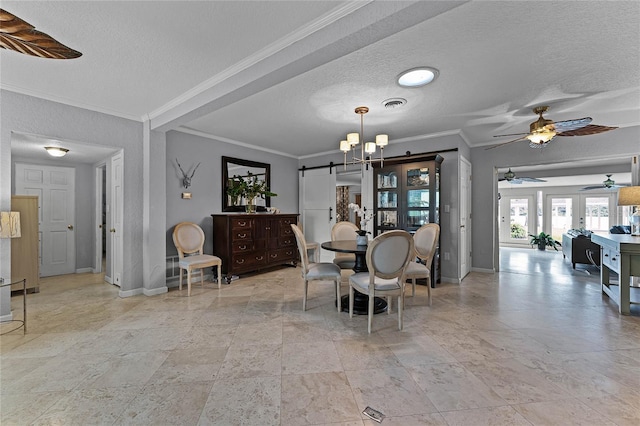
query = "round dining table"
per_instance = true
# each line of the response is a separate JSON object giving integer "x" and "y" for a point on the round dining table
{"x": 360, "y": 301}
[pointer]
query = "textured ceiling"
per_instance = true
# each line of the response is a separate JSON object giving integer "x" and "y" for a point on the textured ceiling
{"x": 286, "y": 76}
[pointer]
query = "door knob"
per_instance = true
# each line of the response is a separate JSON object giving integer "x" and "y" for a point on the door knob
{"x": 70, "y": 227}
{"x": 112, "y": 230}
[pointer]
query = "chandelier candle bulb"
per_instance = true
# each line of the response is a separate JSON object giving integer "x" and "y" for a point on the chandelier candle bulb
{"x": 370, "y": 147}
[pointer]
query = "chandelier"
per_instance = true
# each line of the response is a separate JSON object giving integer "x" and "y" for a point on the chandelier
{"x": 353, "y": 140}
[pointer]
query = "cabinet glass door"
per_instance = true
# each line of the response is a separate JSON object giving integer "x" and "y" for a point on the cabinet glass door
{"x": 417, "y": 197}
{"x": 387, "y": 199}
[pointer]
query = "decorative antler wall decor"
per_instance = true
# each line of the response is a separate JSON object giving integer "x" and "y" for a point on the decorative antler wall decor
{"x": 18, "y": 35}
{"x": 186, "y": 179}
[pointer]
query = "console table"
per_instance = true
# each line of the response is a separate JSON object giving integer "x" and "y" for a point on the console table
{"x": 620, "y": 253}
{"x": 23, "y": 321}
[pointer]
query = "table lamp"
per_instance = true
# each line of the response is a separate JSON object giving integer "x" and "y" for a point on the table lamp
{"x": 630, "y": 196}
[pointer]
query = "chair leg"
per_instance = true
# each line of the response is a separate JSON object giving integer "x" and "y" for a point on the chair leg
{"x": 400, "y": 308}
{"x": 370, "y": 313}
{"x": 219, "y": 275}
{"x": 389, "y": 300}
{"x": 180, "y": 279}
{"x": 429, "y": 289}
{"x": 189, "y": 282}
{"x": 304, "y": 297}
{"x": 413, "y": 285}
{"x": 202, "y": 277}
{"x": 338, "y": 295}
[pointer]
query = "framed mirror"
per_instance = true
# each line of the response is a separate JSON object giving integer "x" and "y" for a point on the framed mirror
{"x": 234, "y": 169}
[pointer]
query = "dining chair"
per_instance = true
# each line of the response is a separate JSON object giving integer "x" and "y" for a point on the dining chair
{"x": 189, "y": 240}
{"x": 388, "y": 255}
{"x": 344, "y": 231}
{"x": 425, "y": 242}
{"x": 312, "y": 246}
{"x": 318, "y": 271}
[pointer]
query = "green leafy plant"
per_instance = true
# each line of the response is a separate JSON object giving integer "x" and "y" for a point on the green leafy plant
{"x": 543, "y": 240}
{"x": 248, "y": 187}
{"x": 518, "y": 231}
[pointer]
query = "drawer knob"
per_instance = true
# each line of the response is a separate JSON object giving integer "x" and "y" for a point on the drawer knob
{"x": 242, "y": 247}
{"x": 242, "y": 235}
{"x": 259, "y": 257}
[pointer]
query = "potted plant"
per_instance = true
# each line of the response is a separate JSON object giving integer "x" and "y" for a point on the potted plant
{"x": 248, "y": 187}
{"x": 543, "y": 240}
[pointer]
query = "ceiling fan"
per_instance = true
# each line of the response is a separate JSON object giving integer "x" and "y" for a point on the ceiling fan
{"x": 608, "y": 183}
{"x": 511, "y": 177}
{"x": 542, "y": 131}
{"x": 18, "y": 35}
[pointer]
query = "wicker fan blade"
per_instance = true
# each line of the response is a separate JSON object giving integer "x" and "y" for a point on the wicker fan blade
{"x": 510, "y": 134}
{"x": 18, "y": 35}
{"x": 567, "y": 125}
{"x": 591, "y": 129}
{"x": 505, "y": 143}
{"x": 530, "y": 179}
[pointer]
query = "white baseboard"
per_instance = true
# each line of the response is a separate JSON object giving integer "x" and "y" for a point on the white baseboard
{"x": 108, "y": 279}
{"x": 483, "y": 270}
{"x": 8, "y": 317}
{"x": 129, "y": 293}
{"x": 155, "y": 291}
{"x": 84, "y": 270}
{"x": 450, "y": 280}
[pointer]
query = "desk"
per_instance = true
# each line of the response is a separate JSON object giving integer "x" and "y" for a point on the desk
{"x": 4, "y": 283}
{"x": 360, "y": 301}
{"x": 620, "y": 253}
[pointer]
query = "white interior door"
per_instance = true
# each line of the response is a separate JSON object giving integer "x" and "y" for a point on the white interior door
{"x": 55, "y": 188}
{"x": 318, "y": 206}
{"x": 465, "y": 218}
{"x": 117, "y": 213}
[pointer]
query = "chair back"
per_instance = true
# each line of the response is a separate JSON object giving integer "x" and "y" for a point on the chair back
{"x": 425, "y": 240}
{"x": 188, "y": 239}
{"x": 344, "y": 231}
{"x": 302, "y": 248}
{"x": 389, "y": 253}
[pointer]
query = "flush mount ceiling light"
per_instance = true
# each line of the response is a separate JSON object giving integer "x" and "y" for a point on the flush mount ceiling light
{"x": 56, "y": 151}
{"x": 417, "y": 77}
{"x": 368, "y": 148}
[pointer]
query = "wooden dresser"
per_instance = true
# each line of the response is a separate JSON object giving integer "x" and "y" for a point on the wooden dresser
{"x": 250, "y": 242}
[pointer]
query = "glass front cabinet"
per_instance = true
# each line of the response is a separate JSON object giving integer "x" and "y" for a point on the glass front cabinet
{"x": 407, "y": 196}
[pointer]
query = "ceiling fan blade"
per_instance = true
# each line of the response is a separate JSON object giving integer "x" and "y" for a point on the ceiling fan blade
{"x": 566, "y": 125}
{"x": 505, "y": 143}
{"x": 591, "y": 129}
{"x": 18, "y": 35}
{"x": 510, "y": 134}
{"x": 530, "y": 179}
{"x": 516, "y": 181}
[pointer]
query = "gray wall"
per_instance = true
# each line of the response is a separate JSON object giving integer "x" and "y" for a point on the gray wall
{"x": 617, "y": 143}
{"x": 206, "y": 185}
{"x": 85, "y": 206}
{"x": 37, "y": 116}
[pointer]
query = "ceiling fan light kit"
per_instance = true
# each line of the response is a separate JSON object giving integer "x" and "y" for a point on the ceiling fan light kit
{"x": 542, "y": 131}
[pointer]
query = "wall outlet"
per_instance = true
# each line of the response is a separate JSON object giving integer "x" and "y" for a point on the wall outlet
{"x": 447, "y": 256}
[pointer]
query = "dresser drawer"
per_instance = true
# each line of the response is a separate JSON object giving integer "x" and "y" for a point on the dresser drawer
{"x": 249, "y": 261}
{"x": 282, "y": 255}
{"x": 241, "y": 223}
{"x": 241, "y": 235}
{"x": 611, "y": 259}
{"x": 242, "y": 246}
{"x": 287, "y": 241}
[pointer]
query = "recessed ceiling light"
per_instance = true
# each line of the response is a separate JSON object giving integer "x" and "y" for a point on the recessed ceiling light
{"x": 417, "y": 77}
{"x": 56, "y": 151}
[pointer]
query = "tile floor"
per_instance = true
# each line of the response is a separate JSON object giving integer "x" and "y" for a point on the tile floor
{"x": 535, "y": 344}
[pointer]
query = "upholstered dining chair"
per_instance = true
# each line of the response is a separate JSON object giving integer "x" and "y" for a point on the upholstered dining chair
{"x": 189, "y": 240}
{"x": 318, "y": 271}
{"x": 344, "y": 231}
{"x": 425, "y": 242}
{"x": 313, "y": 247}
{"x": 388, "y": 255}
